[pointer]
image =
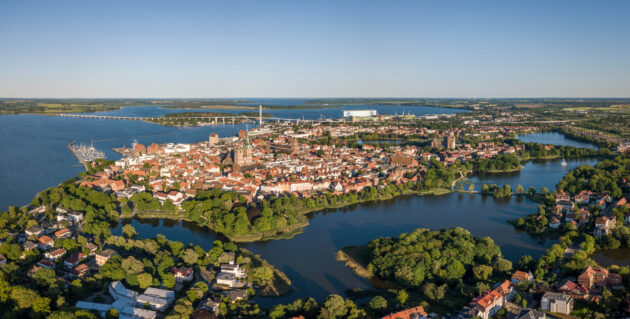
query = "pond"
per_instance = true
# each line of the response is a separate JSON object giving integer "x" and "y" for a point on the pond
{"x": 609, "y": 257}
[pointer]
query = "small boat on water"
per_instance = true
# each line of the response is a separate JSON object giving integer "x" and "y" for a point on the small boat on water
{"x": 563, "y": 163}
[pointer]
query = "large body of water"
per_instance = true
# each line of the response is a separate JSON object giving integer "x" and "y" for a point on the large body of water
{"x": 307, "y": 114}
{"x": 35, "y": 157}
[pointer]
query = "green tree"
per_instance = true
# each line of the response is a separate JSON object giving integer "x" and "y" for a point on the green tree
{"x": 45, "y": 277}
{"x": 112, "y": 314}
{"x": 145, "y": 280}
{"x": 41, "y": 305}
{"x": 544, "y": 190}
{"x": 190, "y": 256}
{"x": 378, "y": 303}
{"x": 334, "y": 307}
{"x": 168, "y": 280}
{"x": 402, "y": 297}
{"x": 482, "y": 272}
{"x": 132, "y": 266}
{"x": 526, "y": 263}
{"x": 129, "y": 231}
{"x": 194, "y": 294}
{"x": 434, "y": 292}
{"x": 502, "y": 264}
{"x": 23, "y": 296}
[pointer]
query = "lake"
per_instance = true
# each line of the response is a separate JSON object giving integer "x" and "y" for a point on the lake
{"x": 536, "y": 173}
{"x": 309, "y": 258}
{"x": 609, "y": 257}
{"x": 554, "y": 138}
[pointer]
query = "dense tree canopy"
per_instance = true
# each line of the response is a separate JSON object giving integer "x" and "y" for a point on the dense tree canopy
{"x": 422, "y": 256}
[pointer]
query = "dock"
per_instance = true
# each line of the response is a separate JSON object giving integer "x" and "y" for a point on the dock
{"x": 77, "y": 156}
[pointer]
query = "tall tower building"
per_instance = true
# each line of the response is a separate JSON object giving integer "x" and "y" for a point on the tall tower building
{"x": 244, "y": 156}
{"x": 450, "y": 141}
{"x": 260, "y": 115}
{"x": 213, "y": 139}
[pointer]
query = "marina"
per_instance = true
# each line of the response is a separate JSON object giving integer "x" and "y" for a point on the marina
{"x": 85, "y": 153}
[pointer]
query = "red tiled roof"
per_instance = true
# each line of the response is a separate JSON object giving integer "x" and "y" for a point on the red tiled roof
{"x": 406, "y": 314}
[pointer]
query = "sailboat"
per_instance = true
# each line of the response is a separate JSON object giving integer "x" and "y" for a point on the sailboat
{"x": 563, "y": 163}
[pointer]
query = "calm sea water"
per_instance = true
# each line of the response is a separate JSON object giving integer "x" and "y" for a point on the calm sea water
{"x": 35, "y": 157}
{"x": 308, "y": 114}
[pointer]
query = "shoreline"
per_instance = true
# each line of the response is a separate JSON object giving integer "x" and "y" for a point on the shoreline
{"x": 289, "y": 231}
{"x": 352, "y": 257}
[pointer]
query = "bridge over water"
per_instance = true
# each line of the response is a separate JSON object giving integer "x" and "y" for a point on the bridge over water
{"x": 212, "y": 119}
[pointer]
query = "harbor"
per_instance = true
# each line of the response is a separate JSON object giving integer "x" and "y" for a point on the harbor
{"x": 85, "y": 153}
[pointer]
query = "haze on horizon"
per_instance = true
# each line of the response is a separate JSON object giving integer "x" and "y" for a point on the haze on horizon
{"x": 188, "y": 49}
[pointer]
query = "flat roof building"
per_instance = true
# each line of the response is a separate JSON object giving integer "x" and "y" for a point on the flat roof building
{"x": 359, "y": 113}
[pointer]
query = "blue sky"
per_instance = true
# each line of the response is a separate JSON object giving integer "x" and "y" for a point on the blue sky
{"x": 314, "y": 49}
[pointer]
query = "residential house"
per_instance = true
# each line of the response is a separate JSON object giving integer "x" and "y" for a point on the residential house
{"x": 75, "y": 217}
{"x": 46, "y": 243}
{"x": 487, "y": 304}
{"x": 55, "y": 254}
{"x": 103, "y": 256}
{"x": 34, "y": 230}
{"x": 63, "y": 233}
{"x": 90, "y": 248}
{"x": 226, "y": 279}
{"x": 235, "y": 294}
{"x": 572, "y": 288}
{"x": 81, "y": 270}
{"x": 182, "y": 273}
{"x": 74, "y": 260}
{"x": 411, "y": 313}
{"x": 521, "y": 276}
{"x": 593, "y": 277}
{"x": 604, "y": 225}
{"x": 209, "y": 304}
{"x": 176, "y": 197}
{"x": 31, "y": 272}
{"x": 3, "y": 260}
{"x": 583, "y": 197}
{"x": 46, "y": 264}
{"x": 556, "y": 302}
{"x": 234, "y": 269}
{"x": 29, "y": 245}
{"x": 564, "y": 206}
{"x": 562, "y": 197}
{"x": 532, "y": 314}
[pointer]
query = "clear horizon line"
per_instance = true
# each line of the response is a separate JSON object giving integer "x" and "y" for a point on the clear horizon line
{"x": 346, "y": 97}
